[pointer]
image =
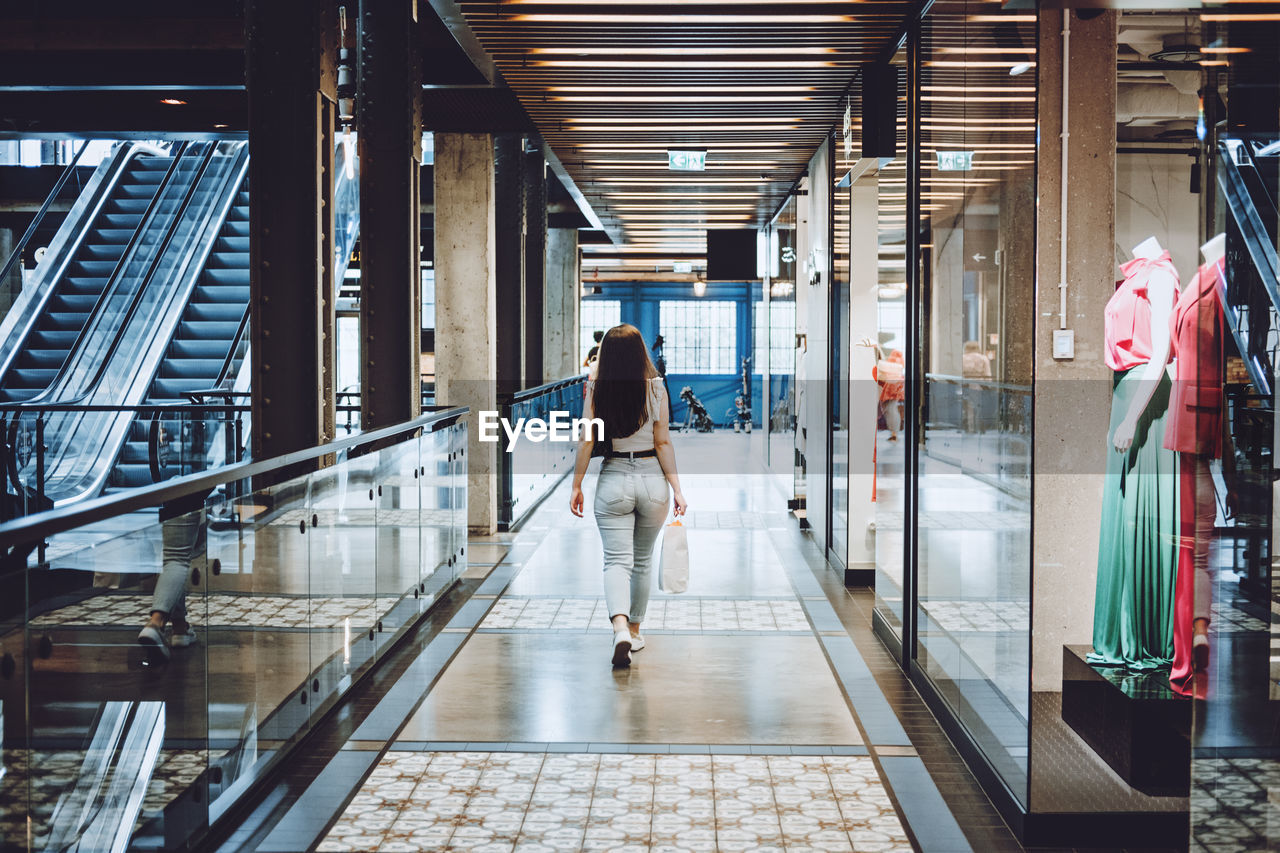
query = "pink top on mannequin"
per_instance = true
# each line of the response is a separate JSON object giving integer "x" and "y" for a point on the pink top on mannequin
{"x": 1195, "y": 330}
{"x": 1128, "y": 314}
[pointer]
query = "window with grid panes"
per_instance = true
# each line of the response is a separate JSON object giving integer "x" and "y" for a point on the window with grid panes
{"x": 700, "y": 336}
{"x": 781, "y": 324}
{"x": 596, "y": 315}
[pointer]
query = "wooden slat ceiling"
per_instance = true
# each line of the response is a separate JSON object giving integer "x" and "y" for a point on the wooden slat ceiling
{"x": 612, "y": 86}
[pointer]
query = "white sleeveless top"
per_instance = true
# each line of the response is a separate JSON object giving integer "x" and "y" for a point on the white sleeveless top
{"x": 641, "y": 439}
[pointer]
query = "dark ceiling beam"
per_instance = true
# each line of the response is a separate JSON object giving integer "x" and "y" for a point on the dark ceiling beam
{"x": 117, "y": 33}
{"x": 123, "y": 114}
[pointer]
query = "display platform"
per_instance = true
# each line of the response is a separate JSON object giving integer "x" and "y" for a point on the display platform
{"x": 1133, "y": 721}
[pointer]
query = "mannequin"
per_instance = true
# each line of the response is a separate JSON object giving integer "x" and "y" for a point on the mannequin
{"x": 1195, "y": 432}
{"x": 1137, "y": 546}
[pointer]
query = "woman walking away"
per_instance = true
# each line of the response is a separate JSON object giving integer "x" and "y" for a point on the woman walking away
{"x": 631, "y": 495}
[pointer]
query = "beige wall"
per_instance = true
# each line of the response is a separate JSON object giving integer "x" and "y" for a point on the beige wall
{"x": 1072, "y": 398}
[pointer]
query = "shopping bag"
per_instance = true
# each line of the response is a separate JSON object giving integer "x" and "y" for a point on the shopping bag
{"x": 673, "y": 571}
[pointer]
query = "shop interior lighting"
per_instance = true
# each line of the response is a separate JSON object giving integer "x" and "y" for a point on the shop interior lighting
{"x": 975, "y": 63}
{"x": 708, "y": 50}
{"x": 981, "y": 99}
{"x": 669, "y": 128}
{"x": 967, "y": 50}
{"x": 679, "y": 99}
{"x": 684, "y": 90}
{"x": 1225, "y": 50}
{"x": 173, "y": 102}
{"x": 691, "y": 64}
{"x": 665, "y": 20}
{"x": 969, "y": 89}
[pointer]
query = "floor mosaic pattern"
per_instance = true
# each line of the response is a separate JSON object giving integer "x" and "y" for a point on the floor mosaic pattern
{"x": 664, "y": 614}
{"x": 258, "y": 611}
{"x": 545, "y": 802}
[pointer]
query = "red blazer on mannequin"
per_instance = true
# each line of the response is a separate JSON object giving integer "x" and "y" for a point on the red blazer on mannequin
{"x": 1195, "y": 335}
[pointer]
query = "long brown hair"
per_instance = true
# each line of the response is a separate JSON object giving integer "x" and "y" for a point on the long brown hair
{"x": 623, "y": 370}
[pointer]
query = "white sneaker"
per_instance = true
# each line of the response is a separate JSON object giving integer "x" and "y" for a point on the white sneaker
{"x": 637, "y": 642}
{"x": 622, "y": 649}
{"x": 153, "y": 641}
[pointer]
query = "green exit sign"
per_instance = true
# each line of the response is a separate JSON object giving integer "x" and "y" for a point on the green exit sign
{"x": 686, "y": 161}
{"x": 955, "y": 161}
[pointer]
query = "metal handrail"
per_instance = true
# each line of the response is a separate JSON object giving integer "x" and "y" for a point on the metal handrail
{"x": 44, "y": 209}
{"x": 979, "y": 383}
{"x": 30, "y": 529}
{"x": 539, "y": 390}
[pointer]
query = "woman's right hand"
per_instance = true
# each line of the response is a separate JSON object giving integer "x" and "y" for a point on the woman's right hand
{"x": 576, "y": 501}
{"x": 679, "y": 504}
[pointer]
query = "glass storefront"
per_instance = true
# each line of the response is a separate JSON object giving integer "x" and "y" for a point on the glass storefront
{"x": 977, "y": 144}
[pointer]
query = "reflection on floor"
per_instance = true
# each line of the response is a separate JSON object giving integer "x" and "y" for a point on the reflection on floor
{"x": 677, "y": 614}
{"x": 1234, "y": 804}
{"x": 575, "y": 801}
{"x": 220, "y": 609}
{"x": 34, "y": 782}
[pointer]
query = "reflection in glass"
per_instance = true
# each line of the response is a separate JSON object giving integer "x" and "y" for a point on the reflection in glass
{"x": 977, "y": 224}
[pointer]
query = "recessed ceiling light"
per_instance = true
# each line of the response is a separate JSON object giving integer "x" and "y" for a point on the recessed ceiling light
{"x": 173, "y": 102}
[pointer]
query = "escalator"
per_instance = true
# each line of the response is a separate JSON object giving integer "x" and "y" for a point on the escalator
{"x": 1248, "y": 178}
{"x": 201, "y": 353}
{"x": 128, "y": 185}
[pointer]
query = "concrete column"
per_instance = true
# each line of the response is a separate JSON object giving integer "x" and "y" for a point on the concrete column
{"x": 1072, "y": 398}
{"x": 560, "y": 310}
{"x": 864, "y": 393}
{"x": 509, "y": 176}
{"x": 535, "y": 265}
{"x": 467, "y": 304}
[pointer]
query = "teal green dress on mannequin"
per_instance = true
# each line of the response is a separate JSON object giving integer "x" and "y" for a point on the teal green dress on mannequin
{"x": 1138, "y": 543}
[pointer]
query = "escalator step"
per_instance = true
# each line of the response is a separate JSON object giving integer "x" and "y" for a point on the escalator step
{"x": 233, "y": 277}
{"x": 204, "y": 369}
{"x": 127, "y": 205}
{"x": 228, "y": 243}
{"x": 112, "y": 236}
{"x": 229, "y": 260}
{"x": 53, "y": 339}
{"x": 136, "y": 452}
{"x": 130, "y": 190}
{"x": 232, "y": 294}
{"x": 132, "y": 475}
{"x": 198, "y": 348}
{"x": 239, "y": 212}
{"x": 228, "y": 313}
{"x": 18, "y": 395}
{"x": 45, "y": 359}
{"x": 85, "y": 284}
{"x": 63, "y": 321}
{"x": 176, "y": 389}
{"x": 103, "y": 252}
{"x": 122, "y": 221}
{"x": 31, "y": 377}
{"x": 80, "y": 303}
{"x": 152, "y": 162}
{"x": 91, "y": 267}
{"x": 206, "y": 330}
{"x": 236, "y": 229}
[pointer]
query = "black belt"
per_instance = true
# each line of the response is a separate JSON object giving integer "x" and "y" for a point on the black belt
{"x": 633, "y": 454}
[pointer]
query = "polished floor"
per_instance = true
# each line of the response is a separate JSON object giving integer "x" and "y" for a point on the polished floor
{"x": 751, "y": 721}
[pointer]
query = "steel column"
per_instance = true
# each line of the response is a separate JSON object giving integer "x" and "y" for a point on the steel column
{"x": 289, "y": 82}
{"x": 535, "y": 266}
{"x": 509, "y": 208}
{"x": 388, "y": 116}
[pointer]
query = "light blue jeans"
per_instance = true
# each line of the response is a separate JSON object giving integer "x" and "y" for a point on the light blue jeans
{"x": 183, "y": 538}
{"x": 631, "y": 507}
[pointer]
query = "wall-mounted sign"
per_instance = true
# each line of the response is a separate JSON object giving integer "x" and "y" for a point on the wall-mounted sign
{"x": 955, "y": 161}
{"x": 686, "y": 160}
{"x": 683, "y": 266}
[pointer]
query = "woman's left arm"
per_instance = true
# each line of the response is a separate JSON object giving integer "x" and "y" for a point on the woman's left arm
{"x": 667, "y": 453}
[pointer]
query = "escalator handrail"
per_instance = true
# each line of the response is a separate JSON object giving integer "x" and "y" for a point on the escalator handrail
{"x": 1247, "y": 217}
{"x": 44, "y": 209}
{"x": 31, "y": 302}
{"x": 114, "y": 282}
